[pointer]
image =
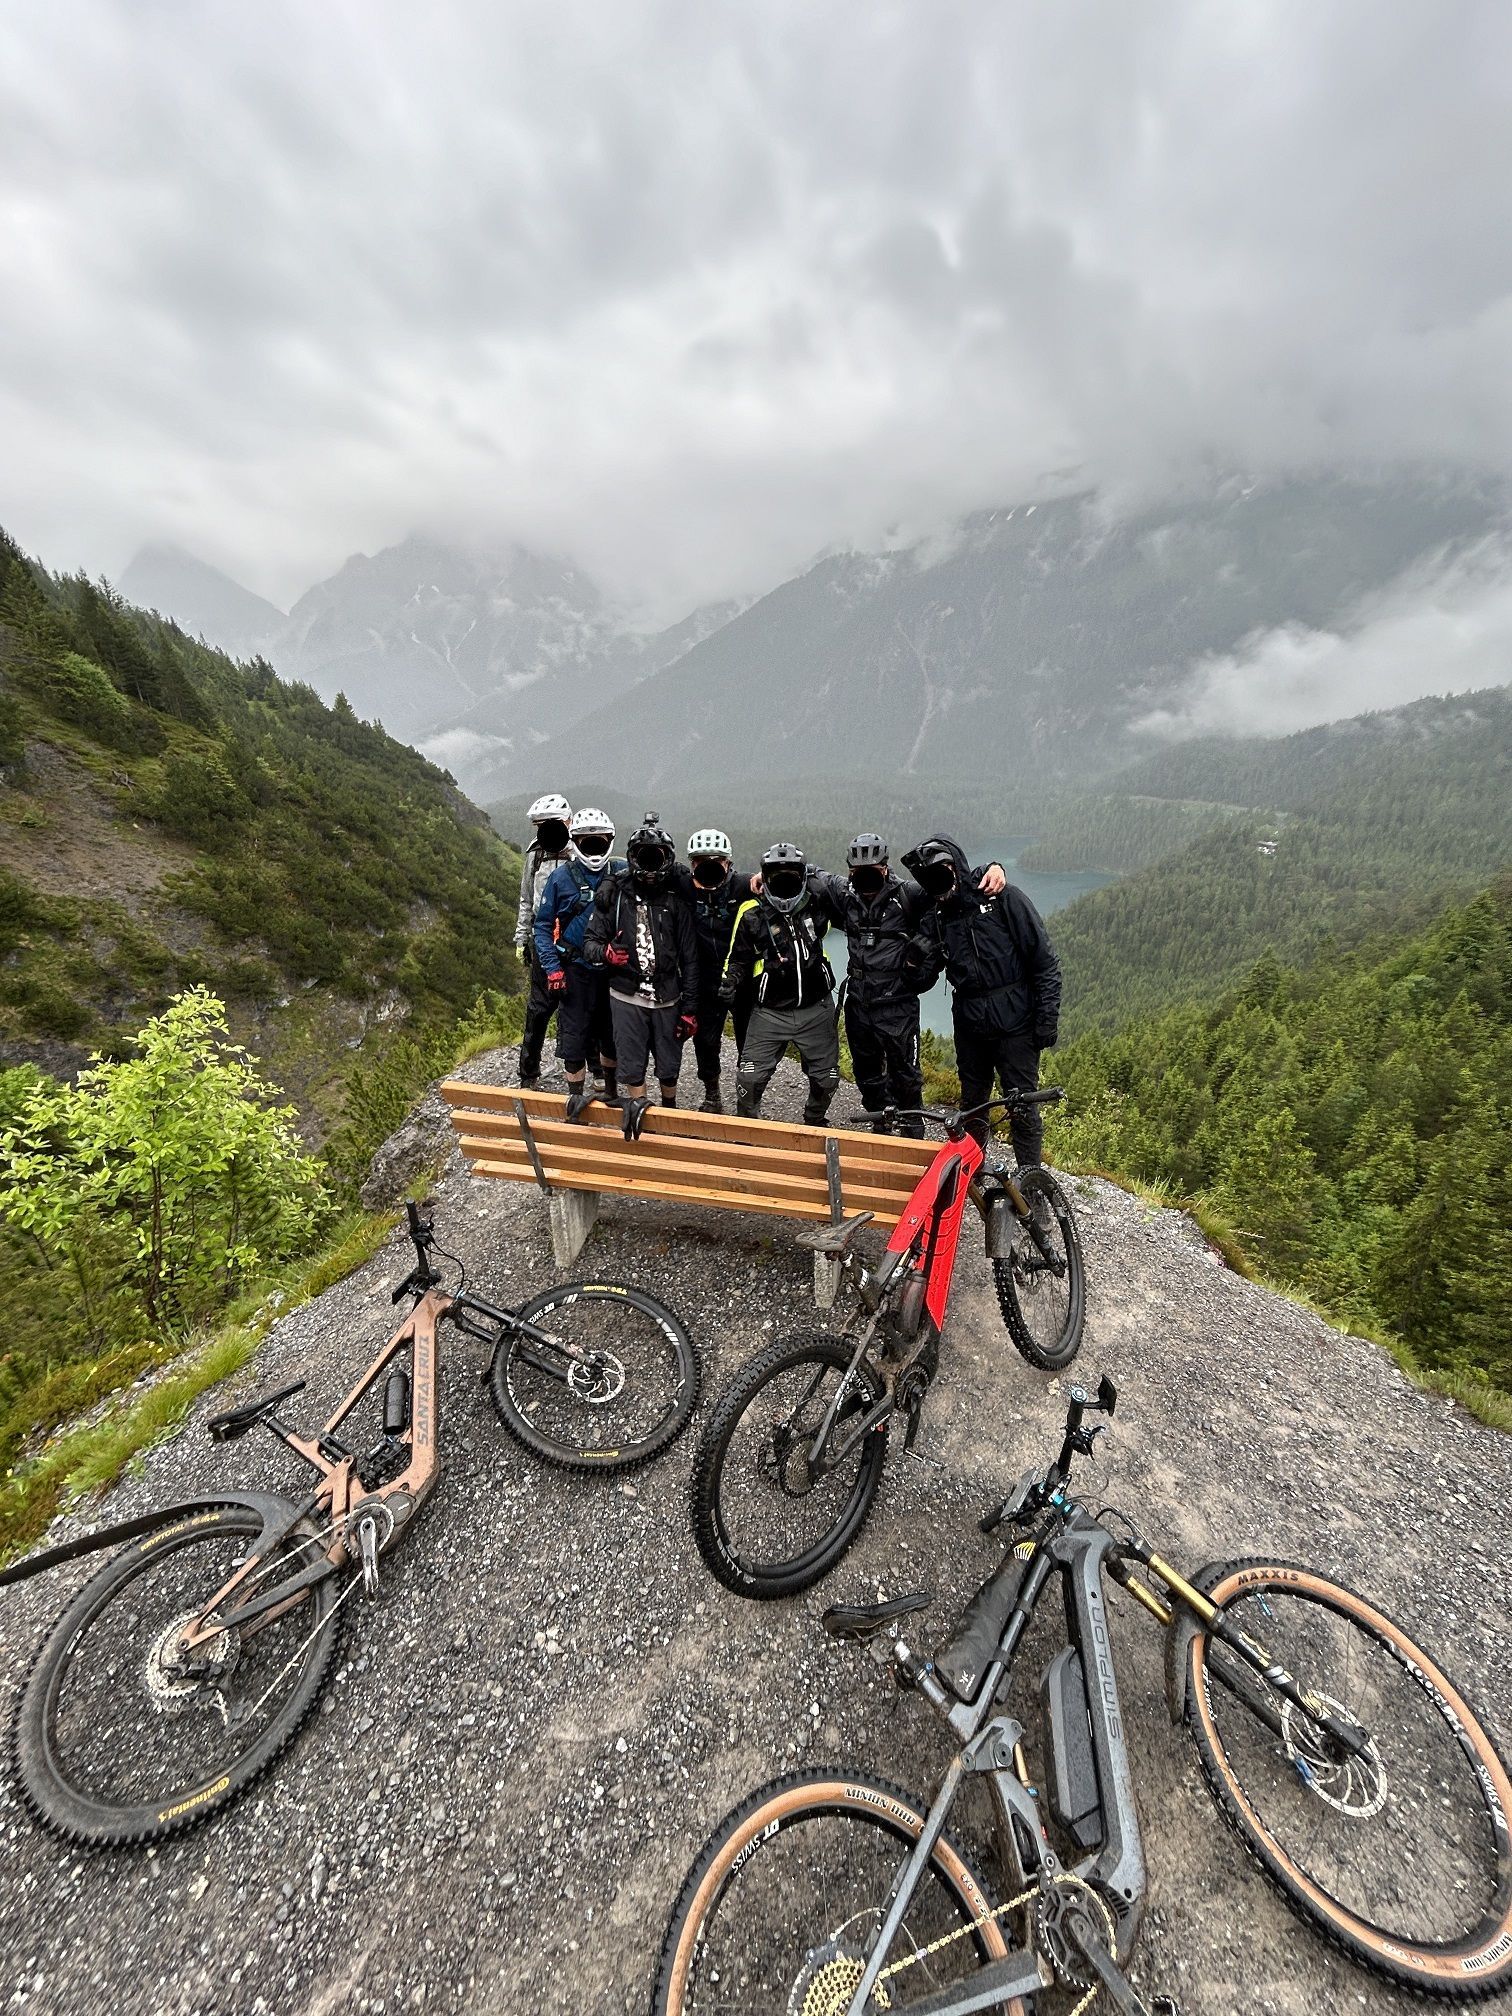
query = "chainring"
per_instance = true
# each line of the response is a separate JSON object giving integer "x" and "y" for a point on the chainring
{"x": 1051, "y": 1913}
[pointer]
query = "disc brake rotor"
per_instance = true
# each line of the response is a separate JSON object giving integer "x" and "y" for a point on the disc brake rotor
{"x": 598, "y": 1382}
{"x": 1350, "y": 1784}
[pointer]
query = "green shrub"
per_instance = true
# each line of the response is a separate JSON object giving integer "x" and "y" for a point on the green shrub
{"x": 198, "y": 798}
{"x": 79, "y": 690}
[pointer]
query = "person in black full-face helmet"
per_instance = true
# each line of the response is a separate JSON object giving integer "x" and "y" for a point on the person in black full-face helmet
{"x": 642, "y": 931}
{"x": 777, "y": 948}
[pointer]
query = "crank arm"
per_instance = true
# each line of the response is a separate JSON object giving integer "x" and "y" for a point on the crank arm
{"x": 1120, "y": 1991}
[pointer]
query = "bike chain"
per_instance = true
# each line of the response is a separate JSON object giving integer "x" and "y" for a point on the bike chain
{"x": 847, "y": 1973}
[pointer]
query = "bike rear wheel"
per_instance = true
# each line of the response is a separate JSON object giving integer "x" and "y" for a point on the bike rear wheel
{"x": 626, "y": 1396}
{"x": 121, "y": 1735}
{"x": 1044, "y": 1308}
{"x": 762, "y": 1525}
{"x": 776, "y": 1909}
{"x": 1399, "y": 1857}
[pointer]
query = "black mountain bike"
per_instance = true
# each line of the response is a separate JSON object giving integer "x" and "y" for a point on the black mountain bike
{"x": 789, "y": 1462}
{"x": 1341, "y": 1754}
{"x": 186, "y": 1664}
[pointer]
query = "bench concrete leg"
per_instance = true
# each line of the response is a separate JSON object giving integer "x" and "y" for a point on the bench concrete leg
{"x": 827, "y": 1271}
{"x": 573, "y": 1216}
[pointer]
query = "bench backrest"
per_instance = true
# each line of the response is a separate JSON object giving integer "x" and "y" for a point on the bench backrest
{"x": 695, "y": 1158}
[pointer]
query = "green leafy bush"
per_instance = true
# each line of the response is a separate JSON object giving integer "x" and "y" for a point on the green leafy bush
{"x": 178, "y": 1158}
{"x": 84, "y": 693}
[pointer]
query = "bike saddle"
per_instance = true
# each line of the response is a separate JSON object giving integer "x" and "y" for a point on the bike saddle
{"x": 861, "y": 1621}
{"x": 237, "y": 1420}
{"x": 835, "y": 1238}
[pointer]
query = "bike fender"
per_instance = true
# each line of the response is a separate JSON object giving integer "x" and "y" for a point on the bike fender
{"x": 272, "y": 1510}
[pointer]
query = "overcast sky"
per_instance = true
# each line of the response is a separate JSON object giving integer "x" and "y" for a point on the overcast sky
{"x": 690, "y": 291}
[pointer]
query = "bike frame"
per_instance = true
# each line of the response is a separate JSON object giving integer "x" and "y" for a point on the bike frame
{"x": 1078, "y": 1550}
{"x": 340, "y": 1500}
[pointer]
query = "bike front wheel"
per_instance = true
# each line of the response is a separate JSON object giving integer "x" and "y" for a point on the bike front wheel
{"x": 1399, "y": 1855}
{"x": 123, "y": 1734}
{"x": 778, "y": 1908}
{"x": 615, "y": 1387}
{"x": 1043, "y": 1301}
{"x": 764, "y": 1524}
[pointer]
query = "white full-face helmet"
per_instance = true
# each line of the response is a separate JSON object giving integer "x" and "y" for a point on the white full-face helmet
{"x": 591, "y": 836}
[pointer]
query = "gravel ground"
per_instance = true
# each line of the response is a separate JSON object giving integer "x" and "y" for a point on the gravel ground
{"x": 552, "y": 1704}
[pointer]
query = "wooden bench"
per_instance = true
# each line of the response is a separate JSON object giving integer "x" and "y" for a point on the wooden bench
{"x": 682, "y": 1157}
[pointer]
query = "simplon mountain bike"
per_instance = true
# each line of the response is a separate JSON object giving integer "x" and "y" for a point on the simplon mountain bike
{"x": 789, "y": 1463}
{"x": 1341, "y": 1754}
{"x": 185, "y": 1665}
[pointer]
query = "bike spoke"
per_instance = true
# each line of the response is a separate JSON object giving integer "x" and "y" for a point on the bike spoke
{"x": 617, "y": 1379}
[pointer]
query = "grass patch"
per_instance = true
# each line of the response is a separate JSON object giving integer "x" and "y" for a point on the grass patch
{"x": 88, "y": 1459}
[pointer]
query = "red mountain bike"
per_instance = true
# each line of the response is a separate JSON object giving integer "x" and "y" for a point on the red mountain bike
{"x": 790, "y": 1461}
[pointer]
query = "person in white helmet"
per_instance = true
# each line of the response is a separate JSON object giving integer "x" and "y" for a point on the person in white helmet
{"x": 543, "y": 856}
{"x": 716, "y": 891}
{"x": 584, "y": 1031}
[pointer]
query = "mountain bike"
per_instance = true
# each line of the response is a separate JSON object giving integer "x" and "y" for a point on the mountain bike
{"x": 789, "y": 1463}
{"x": 1344, "y": 1758}
{"x": 188, "y": 1662}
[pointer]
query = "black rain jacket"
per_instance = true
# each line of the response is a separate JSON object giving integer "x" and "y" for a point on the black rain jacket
{"x": 878, "y": 932}
{"x": 713, "y": 919}
{"x": 672, "y": 935}
{"x": 782, "y": 951}
{"x": 996, "y": 954}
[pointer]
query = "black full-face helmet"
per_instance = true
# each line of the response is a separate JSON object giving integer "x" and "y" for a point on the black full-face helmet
{"x": 933, "y": 867}
{"x": 784, "y": 876}
{"x": 650, "y": 855}
{"x": 866, "y": 858}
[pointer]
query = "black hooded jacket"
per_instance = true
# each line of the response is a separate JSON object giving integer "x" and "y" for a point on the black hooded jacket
{"x": 713, "y": 919}
{"x": 672, "y": 937}
{"x": 996, "y": 954}
{"x": 878, "y": 932}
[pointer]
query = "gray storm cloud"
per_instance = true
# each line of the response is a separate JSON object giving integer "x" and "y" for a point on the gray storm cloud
{"x": 691, "y": 291}
{"x": 1444, "y": 628}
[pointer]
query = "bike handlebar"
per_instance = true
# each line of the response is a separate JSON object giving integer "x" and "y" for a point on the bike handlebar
{"x": 954, "y": 1119}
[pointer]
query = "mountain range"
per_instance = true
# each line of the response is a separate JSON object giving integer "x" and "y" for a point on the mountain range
{"x": 1032, "y": 644}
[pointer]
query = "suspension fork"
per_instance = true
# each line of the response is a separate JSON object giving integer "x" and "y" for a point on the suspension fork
{"x": 1348, "y": 1735}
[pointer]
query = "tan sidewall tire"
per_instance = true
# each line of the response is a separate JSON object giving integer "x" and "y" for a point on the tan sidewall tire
{"x": 779, "y": 1803}
{"x": 1462, "y": 1976}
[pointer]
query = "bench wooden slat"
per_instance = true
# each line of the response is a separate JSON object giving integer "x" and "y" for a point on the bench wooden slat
{"x": 675, "y": 1193}
{"x": 887, "y": 1148}
{"x": 717, "y": 1156}
{"x": 654, "y": 1171}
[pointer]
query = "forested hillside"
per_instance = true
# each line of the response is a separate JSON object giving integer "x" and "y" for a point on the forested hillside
{"x": 1351, "y": 1118}
{"x": 170, "y": 818}
{"x": 1373, "y": 825}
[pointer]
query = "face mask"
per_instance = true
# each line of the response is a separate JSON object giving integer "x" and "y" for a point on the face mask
{"x": 709, "y": 871}
{"x": 785, "y": 881}
{"x": 867, "y": 881}
{"x": 552, "y": 834}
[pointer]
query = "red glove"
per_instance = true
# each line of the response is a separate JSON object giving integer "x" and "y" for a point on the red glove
{"x": 556, "y": 983}
{"x": 616, "y": 955}
{"x": 687, "y": 1026}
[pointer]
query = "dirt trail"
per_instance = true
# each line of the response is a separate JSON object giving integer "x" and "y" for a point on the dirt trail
{"x": 552, "y": 1704}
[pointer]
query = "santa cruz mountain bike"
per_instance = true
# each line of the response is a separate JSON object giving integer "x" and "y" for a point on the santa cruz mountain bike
{"x": 1341, "y": 1753}
{"x": 184, "y": 1666}
{"x": 789, "y": 1463}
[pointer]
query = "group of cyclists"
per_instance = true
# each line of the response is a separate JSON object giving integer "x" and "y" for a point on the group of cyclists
{"x": 640, "y": 954}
